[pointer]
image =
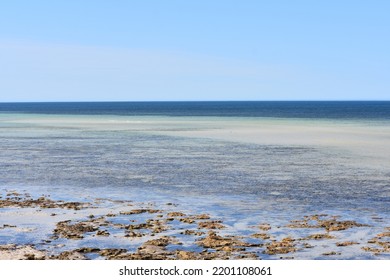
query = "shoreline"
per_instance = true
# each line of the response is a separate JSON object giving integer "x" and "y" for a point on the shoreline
{"x": 122, "y": 229}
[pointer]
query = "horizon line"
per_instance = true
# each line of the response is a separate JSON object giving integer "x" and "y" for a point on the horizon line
{"x": 161, "y": 101}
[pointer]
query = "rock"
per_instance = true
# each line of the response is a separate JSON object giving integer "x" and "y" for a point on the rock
{"x": 332, "y": 224}
{"x": 219, "y": 243}
{"x": 211, "y": 225}
{"x": 382, "y": 246}
{"x": 331, "y": 253}
{"x": 163, "y": 241}
{"x": 320, "y": 236}
{"x": 307, "y": 245}
{"x": 133, "y": 234}
{"x": 384, "y": 234}
{"x": 103, "y": 233}
{"x": 346, "y": 243}
{"x": 69, "y": 255}
{"x": 73, "y": 231}
{"x": 112, "y": 253}
{"x": 265, "y": 227}
{"x": 176, "y": 214}
{"x": 261, "y": 235}
{"x": 86, "y": 250}
{"x": 285, "y": 246}
{"x": 41, "y": 202}
{"x": 183, "y": 255}
{"x": 139, "y": 211}
{"x": 21, "y": 252}
{"x": 201, "y": 217}
{"x": 192, "y": 232}
{"x": 187, "y": 220}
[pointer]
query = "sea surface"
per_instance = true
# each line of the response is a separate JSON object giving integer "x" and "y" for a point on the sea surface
{"x": 365, "y": 110}
{"x": 242, "y": 161}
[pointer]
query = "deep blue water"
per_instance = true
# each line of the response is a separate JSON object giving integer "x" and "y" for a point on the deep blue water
{"x": 275, "y": 109}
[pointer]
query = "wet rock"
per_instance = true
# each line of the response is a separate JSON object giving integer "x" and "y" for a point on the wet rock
{"x": 21, "y": 252}
{"x": 154, "y": 249}
{"x": 265, "y": 227}
{"x": 187, "y": 220}
{"x": 377, "y": 251}
{"x": 33, "y": 257}
{"x": 315, "y": 217}
{"x": 86, "y": 250}
{"x": 211, "y": 225}
{"x": 69, "y": 255}
{"x": 332, "y": 224}
{"x": 139, "y": 211}
{"x": 133, "y": 234}
{"x": 201, "y": 217}
{"x": 112, "y": 253}
{"x": 346, "y": 243}
{"x": 219, "y": 243}
{"x": 184, "y": 255}
{"x": 103, "y": 233}
{"x": 320, "y": 236}
{"x": 13, "y": 193}
{"x": 261, "y": 235}
{"x": 156, "y": 226}
{"x": 67, "y": 230}
{"x": 163, "y": 241}
{"x": 381, "y": 243}
{"x": 41, "y": 202}
{"x": 134, "y": 226}
{"x": 99, "y": 222}
{"x": 245, "y": 256}
{"x": 285, "y": 246}
{"x": 144, "y": 255}
{"x": 111, "y": 215}
{"x": 307, "y": 246}
{"x": 331, "y": 253}
{"x": 176, "y": 214}
{"x": 73, "y": 205}
{"x": 7, "y": 226}
{"x": 192, "y": 232}
{"x": 384, "y": 234}
{"x": 214, "y": 255}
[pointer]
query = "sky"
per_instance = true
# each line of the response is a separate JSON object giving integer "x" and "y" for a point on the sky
{"x": 123, "y": 50}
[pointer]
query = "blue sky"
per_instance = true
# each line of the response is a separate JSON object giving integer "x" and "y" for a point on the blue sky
{"x": 93, "y": 50}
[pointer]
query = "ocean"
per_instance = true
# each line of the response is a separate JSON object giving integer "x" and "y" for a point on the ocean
{"x": 243, "y": 162}
{"x": 378, "y": 110}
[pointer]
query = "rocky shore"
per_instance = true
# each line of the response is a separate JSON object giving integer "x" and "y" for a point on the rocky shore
{"x": 144, "y": 231}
